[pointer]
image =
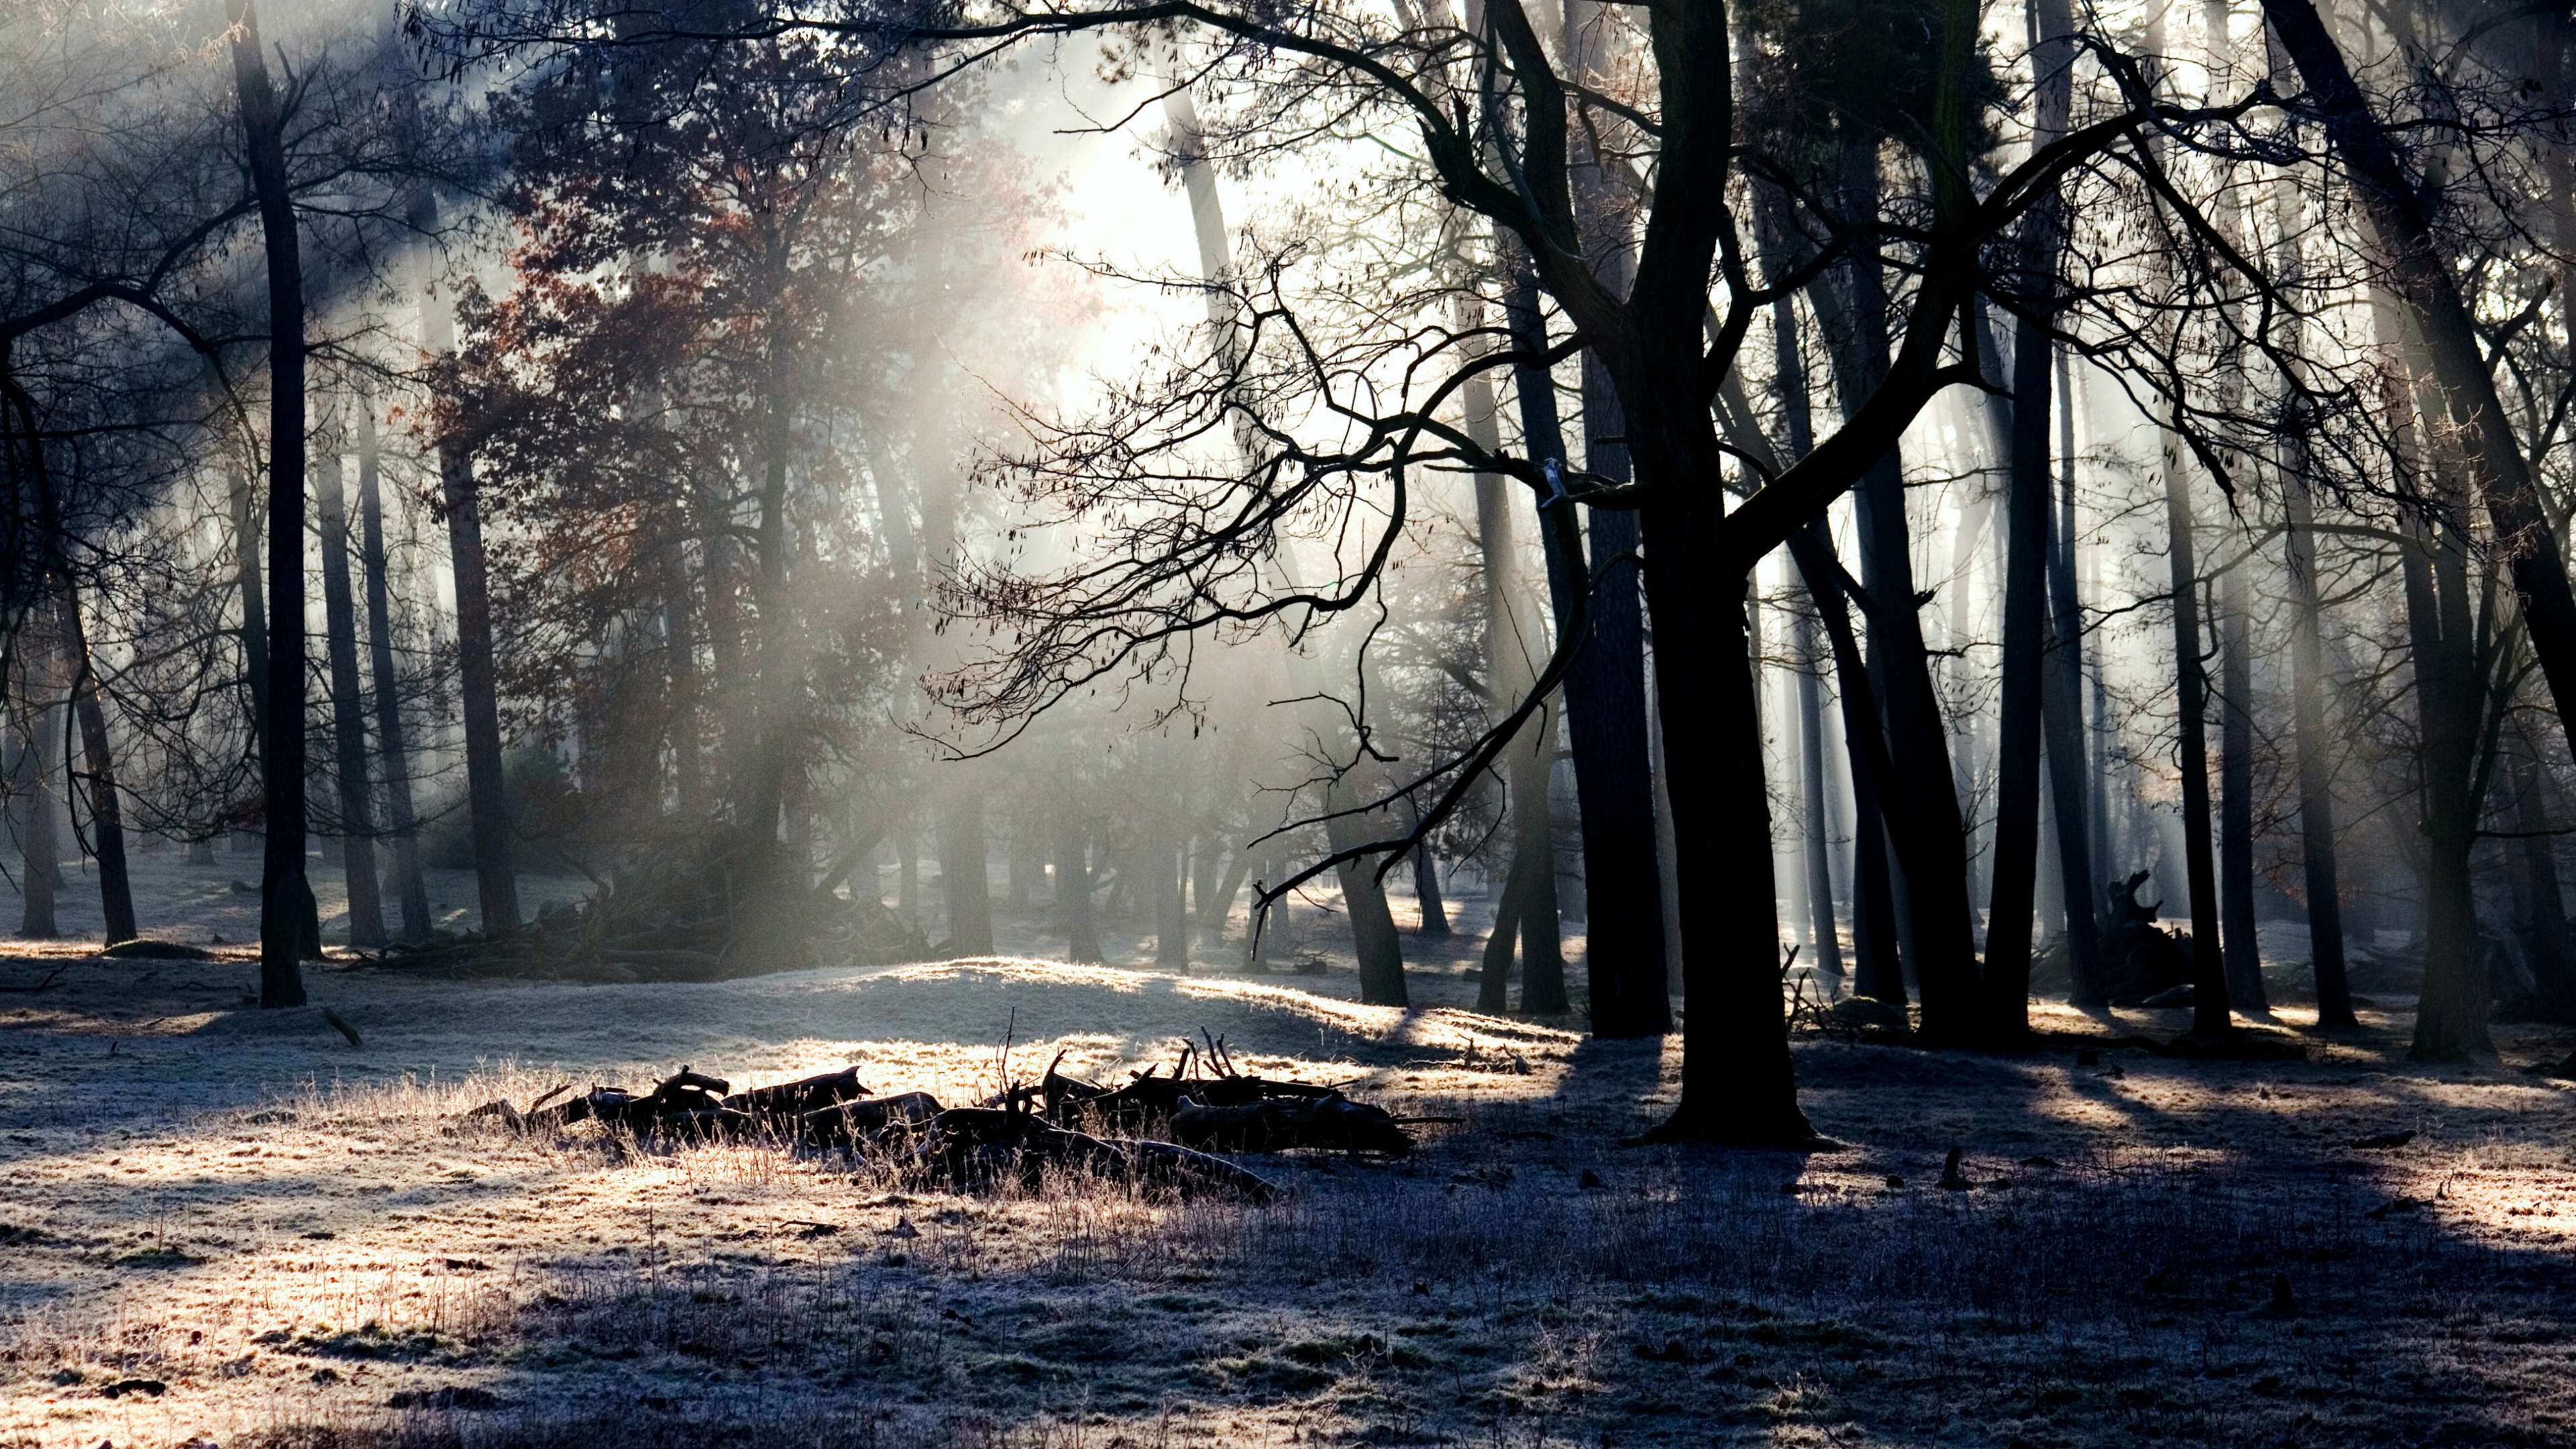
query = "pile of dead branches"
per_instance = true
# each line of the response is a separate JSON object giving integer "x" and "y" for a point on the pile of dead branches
{"x": 703, "y": 910}
{"x": 1159, "y": 1131}
{"x": 969, "y": 1147}
{"x": 1209, "y": 1103}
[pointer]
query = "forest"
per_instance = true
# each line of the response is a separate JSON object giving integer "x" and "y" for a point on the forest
{"x": 902, "y": 722}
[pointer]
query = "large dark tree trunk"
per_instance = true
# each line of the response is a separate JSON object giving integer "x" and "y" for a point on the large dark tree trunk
{"x": 391, "y": 747}
{"x": 254, "y": 606}
{"x": 283, "y": 889}
{"x": 2244, "y": 959}
{"x": 2209, "y": 1015}
{"x": 1737, "y": 1080}
{"x": 348, "y": 708}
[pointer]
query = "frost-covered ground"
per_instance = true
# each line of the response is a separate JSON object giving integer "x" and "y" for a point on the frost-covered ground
{"x": 298, "y": 1241}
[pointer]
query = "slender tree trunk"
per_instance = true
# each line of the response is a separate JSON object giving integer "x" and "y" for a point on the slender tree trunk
{"x": 1811, "y": 745}
{"x": 1073, "y": 895}
{"x": 487, "y": 799}
{"x": 1170, "y": 863}
{"x": 1373, "y": 935}
{"x": 391, "y": 747}
{"x": 1494, "y": 975}
{"x": 2307, "y": 688}
{"x": 2029, "y": 560}
{"x": 1216, "y": 908}
{"x": 254, "y": 608}
{"x": 2209, "y": 1016}
{"x": 2026, "y": 547}
{"x": 348, "y": 708}
{"x": 2451, "y": 1013}
{"x": 1512, "y": 637}
{"x": 1426, "y": 887}
{"x": 688, "y": 768}
{"x": 2073, "y": 790}
{"x": 70, "y": 648}
{"x": 2244, "y": 960}
{"x": 1935, "y": 888}
{"x": 478, "y": 679}
{"x": 1604, "y": 694}
{"x": 283, "y": 889}
{"x": 106, "y": 812}
{"x": 41, "y": 847}
{"x": 963, "y": 877}
{"x": 2553, "y": 974}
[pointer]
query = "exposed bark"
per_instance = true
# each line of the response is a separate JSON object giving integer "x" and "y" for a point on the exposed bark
{"x": 283, "y": 889}
{"x": 348, "y": 710}
{"x": 2026, "y": 550}
{"x": 391, "y": 748}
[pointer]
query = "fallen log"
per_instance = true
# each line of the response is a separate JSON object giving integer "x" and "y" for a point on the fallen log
{"x": 975, "y": 1146}
{"x": 1333, "y": 1123}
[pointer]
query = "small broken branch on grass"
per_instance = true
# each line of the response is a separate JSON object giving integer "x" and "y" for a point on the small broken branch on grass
{"x": 45, "y": 985}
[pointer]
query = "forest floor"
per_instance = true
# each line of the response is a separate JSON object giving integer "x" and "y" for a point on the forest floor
{"x": 293, "y": 1240}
